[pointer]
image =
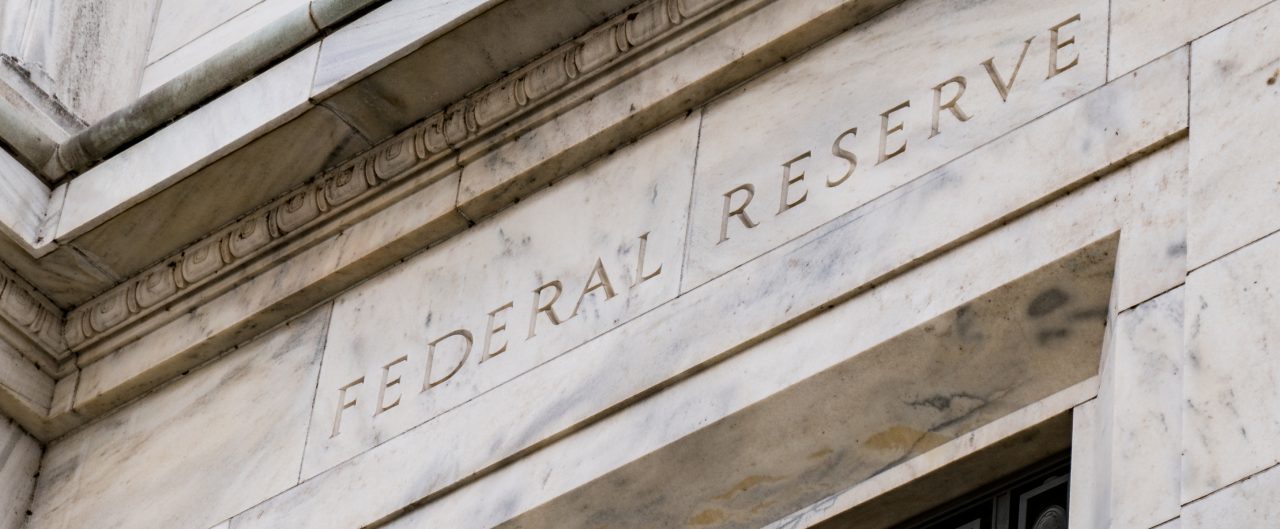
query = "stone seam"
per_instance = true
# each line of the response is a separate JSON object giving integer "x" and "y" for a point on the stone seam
{"x": 431, "y": 140}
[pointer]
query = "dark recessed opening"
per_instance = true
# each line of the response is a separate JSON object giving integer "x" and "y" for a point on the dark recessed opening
{"x": 1034, "y": 498}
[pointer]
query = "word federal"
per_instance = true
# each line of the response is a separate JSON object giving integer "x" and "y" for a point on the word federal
{"x": 448, "y": 352}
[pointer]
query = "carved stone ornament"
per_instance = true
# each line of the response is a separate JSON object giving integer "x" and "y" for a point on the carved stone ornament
{"x": 430, "y": 141}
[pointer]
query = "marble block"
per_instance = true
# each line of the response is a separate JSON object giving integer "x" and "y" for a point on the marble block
{"x": 1254, "y": 502}
{"x": 221, "y": 26}
{"x": 693, "y": 72}
{"x": 178, "y": 22}
{"x": 19, "y": 464}
{"x": 1146, "y": 413}
{"x": 1231, "y": 368}
{"x": 855, "y": 118}
{"x": 292, "y": 154}
{"x": 1235, "y": 96}
{"x": 804, "y": 277}
{"x": 385, "y": 34}
{"x": 226, "y": 123}
{"x": 1142, "y": 30}
{"x": 209, "y": 445}
{"x": 1086, "y": 468}
{"x": 24, "y": 201}
{"x": 22, "y": 380}
{"x": 1015, "y": 441}
{"x": 509, "y": 294}
{"x": 310, "y": 276}
{"x": 823, "y": 410}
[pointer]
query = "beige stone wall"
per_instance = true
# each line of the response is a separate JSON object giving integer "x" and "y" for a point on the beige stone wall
{"x": 19, "y": 465}
{"x": 88, "y": 54}
{"x": 98, "y": 56}
{"x": 929, "y": 239}
{"x": 187, "y": 33}
{"x": 200, "y": 449}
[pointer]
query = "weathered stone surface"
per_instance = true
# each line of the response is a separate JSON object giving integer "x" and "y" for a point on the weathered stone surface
{"x": 1235, "y": 80}
{"x": 1230, "y": 369}
{"x": 24, "y": 389}
{"x": 333, "y": 262}
{"x": 178, "y": 23}
{"x": 188, "y": 34}
{"x": 1079, "y": 257}
{"x": 19, "y": 464}
{"x": 386, "y": 34}
{"x": 88, "y": 54}
{"x": 24, "y": 201}
{"x": 575, "y": 252}
{"x": 761, "y": 34}
{"x": 199, "y": 138}
{"x": 798, "y": 122}
{"x": 1254, "y": 502}
{"x": 758, "y": 452}
{"x": 1142, "y": 30}
{"x": 805, "y": 276}
{"x": 1032, "y": 433}
{"x": 1087, "y": 468}
{"x": 263, "y": 170}
{"x": 1146, "y": 413}
{"x": 414, "y": 87}
{"x": 197, "y": 451}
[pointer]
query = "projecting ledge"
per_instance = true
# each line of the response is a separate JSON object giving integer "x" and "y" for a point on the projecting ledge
{"x": 997, "y": 373}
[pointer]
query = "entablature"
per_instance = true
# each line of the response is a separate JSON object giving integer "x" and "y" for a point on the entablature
{"x": 134, "y": 302}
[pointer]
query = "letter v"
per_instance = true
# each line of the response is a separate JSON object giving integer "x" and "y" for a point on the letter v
{"x": 1001, "y": 86}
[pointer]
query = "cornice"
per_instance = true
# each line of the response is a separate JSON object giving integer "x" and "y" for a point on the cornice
{"x": 513, "y": 137}
{"x": 33, "y": 319}
{"x": 432, "y": 141}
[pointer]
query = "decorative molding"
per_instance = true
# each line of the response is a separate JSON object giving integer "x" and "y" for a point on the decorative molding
{"x": 34, "y": 317}
{"x": 430, "y": 141}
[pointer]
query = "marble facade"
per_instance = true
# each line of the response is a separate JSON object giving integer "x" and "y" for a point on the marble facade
{"x": 692, "y": 264}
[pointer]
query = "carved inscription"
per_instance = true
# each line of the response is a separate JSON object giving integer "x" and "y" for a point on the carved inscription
{"x": 545, "y": 307}
{"x": 739, "y": 213}
{"x": 517, "y": 290}
{"x": 482, "y": 325}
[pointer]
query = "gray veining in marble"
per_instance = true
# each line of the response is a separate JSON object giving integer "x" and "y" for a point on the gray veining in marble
{"x": 798, "y": 121}
{"x": 575, "y": 251}
{"x": 199, "y": 450}
{"x": 1253, "y": 502}
{"x": 1146, "y": 413}
{"x": 1235, "y": 86}
{"x": 803, "y": 276}
{"x": 1231, "y": 369}
{"x": 19, "y": 464}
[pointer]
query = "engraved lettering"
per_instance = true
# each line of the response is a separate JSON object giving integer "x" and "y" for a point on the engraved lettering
{"x": 1001, "y": 86}
{"x": 344, "y": 404}
{"x": 387, "y": 383}
{"x": 492, "y": 330}
{"x": 784, "y": 202}
{"x": 844, "y": 154}
{"x": 740, "y": 211}
{"x": 886, "y": 130}
{"x": 1055, "y": 45}
{"x": 641, "y": 276}
{"x": 539, "y": 307}
{"x": 952, "y": 105}
{"x": 597, "y": 279}
{"x": 429, "y": 382}
{"x": 794, "y": 189}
